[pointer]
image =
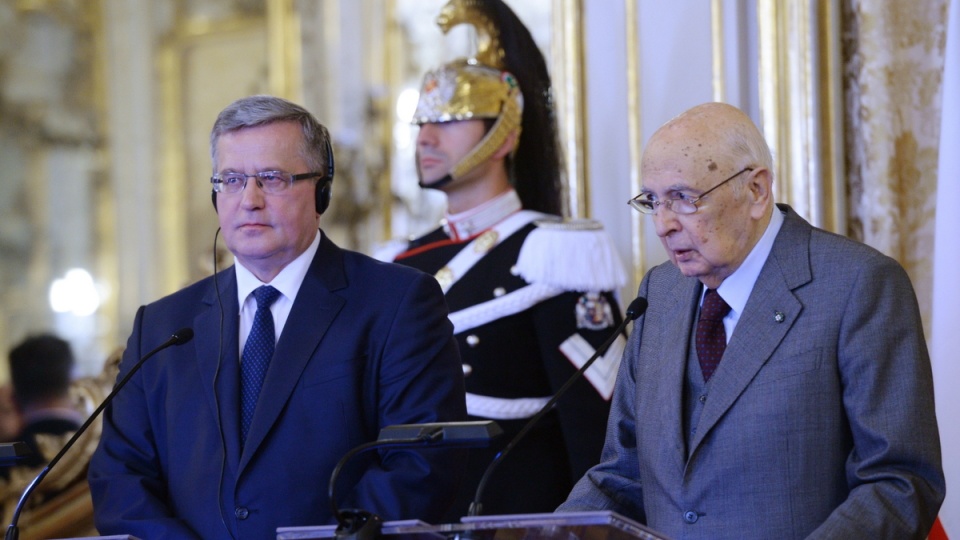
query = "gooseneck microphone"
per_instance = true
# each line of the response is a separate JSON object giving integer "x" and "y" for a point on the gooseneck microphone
{"x": 364, "y": 525}
{"x": 178, "y": 338}
{"x": 636, "y": 308}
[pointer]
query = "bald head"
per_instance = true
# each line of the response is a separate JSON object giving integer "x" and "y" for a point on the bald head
{"x": 707, "y": 137}
{"x": 714, "y": 155}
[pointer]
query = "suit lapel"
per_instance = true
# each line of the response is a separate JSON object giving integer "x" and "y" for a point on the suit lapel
{"x": 219, "y": 360}
{"x": 312, "y": 313}
{"x": 668, "y": 384}
{"x": 760, "y": 329}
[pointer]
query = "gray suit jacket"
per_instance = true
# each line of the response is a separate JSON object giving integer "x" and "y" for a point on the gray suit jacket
{"x": 820, "y": 424}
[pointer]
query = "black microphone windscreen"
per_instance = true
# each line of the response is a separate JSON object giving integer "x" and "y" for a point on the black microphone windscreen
{"x": 636, "y": 308}
{"x": 182, "y": 336}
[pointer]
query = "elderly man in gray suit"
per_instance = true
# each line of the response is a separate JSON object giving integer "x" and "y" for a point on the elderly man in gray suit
{"x": 797, "y": 402}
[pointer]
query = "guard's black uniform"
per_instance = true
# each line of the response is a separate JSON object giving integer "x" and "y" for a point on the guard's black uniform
{"x": 513, "y": 362}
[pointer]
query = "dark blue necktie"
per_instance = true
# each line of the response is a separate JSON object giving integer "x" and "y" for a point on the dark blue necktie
{"x": 256, "y": 356}
{"x": 711, "y": 336}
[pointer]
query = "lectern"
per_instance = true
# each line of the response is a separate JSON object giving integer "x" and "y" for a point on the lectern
{"x": 560, "y": 526}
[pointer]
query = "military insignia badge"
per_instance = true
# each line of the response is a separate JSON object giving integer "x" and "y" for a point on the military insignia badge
{"x": 444, "y": 276}
{"x": 594, "y": 312}
{"x": 486, "y": 241}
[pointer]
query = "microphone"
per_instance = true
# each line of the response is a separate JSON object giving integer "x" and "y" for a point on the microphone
{"x": 634, "y": 310}
{"x": 363, "y": 525}
{"x": 178, "y": 338}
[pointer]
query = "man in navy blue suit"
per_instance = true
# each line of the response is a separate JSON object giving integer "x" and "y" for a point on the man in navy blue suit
{"x": 358, "y": 345}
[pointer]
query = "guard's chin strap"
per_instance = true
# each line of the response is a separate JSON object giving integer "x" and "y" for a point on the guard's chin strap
{"x": 508, "y": 121}
{"x": 437, "y": 184}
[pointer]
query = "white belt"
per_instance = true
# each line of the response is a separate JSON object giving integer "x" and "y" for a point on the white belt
{"x": 503, "y": 408}
{"x": 511, "y": 303}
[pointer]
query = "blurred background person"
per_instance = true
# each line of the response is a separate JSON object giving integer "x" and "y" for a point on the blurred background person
{"x": 9, "y": 415}
{"x": 40, "y": 371}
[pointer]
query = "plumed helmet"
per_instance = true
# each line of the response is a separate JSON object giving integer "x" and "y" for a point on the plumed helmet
{"x": 507, "y": 81}
{"x": 468, "y": 90}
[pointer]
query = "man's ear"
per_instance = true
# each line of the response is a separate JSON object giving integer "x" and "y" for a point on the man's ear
{"x": 760, "y": 188}
{"x": 508, "y": 146}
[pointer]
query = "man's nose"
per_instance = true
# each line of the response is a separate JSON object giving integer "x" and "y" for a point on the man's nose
{"x": 252, "y": 194}
{"x": 665, "y": 220}
{"x": 427, "y": 135}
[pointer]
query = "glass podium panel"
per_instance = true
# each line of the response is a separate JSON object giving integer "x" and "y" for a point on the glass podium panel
{"x": 552, "y": 526}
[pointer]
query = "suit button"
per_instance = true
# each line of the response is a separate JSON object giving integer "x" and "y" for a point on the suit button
{"x": 690, "y": 517}
{"x": 703, "y": 398}
{"x": 241, "y": 513}
{"x": 473, "y": 340}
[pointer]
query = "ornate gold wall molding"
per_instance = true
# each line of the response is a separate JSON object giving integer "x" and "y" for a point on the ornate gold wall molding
{"x": 53, "y": 161}
{"x": 638, "y": 257}
{"x": 801, "y": 107}
{"x": 190, "y": 91}
{"x": 198, "y": 75}
{"x": 717, "y": 41}
{"x": 284, "y": 50}
{"x": 570, "y": 88}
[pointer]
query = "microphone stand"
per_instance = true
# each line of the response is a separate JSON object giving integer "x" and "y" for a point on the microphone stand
{"x": 178, "y": 338}
{"x": 636, "y": 308}
{"x": 359, "y": 524}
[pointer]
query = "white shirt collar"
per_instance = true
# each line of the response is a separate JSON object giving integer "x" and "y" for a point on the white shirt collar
{"x": 480, "y": 218}
{"x": 736, "y": 288}
{"x": 288, "y": 281}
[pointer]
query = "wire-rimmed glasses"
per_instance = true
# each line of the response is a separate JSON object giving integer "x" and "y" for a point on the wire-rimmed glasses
{"x": 646, "y": 203}
{"x": 268, "y": 181}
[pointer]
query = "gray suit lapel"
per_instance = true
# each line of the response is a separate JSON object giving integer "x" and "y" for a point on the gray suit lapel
{"x": 667, "y": 384}
{"x": 760, "y": 329}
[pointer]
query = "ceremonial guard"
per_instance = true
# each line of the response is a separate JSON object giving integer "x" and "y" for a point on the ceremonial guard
{"x": 531, "y": 295}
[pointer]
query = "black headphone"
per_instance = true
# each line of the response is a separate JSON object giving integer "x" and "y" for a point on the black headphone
{"x": 324, "y": 185}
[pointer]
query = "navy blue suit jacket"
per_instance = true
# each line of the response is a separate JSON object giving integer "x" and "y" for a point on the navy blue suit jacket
{"x": 366, "y": 345}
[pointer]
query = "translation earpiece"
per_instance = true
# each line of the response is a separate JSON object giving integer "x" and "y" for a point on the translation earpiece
{"x": 325, "y": 185}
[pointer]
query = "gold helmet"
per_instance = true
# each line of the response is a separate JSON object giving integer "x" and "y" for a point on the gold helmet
{"x": 472, "y": 89}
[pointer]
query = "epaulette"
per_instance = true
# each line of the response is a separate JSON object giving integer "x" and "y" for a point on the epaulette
{"x": 574, "y": 255}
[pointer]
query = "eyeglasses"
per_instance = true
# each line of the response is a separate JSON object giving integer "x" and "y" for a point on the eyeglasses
{"x": 645, "y": 203}
{"x": 268, "y": 181}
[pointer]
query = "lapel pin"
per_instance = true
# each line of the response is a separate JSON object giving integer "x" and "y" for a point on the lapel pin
{"x": 778, "y": 316}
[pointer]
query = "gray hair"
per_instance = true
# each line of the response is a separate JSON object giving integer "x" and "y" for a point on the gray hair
{"x": 254, "y": 111}
{"x": 747, "y": 147}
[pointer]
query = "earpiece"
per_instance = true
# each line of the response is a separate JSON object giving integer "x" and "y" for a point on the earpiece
{"x": 324, "y": 186}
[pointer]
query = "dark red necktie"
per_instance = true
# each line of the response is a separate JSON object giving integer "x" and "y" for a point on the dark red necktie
{"x": 711, "y": 337}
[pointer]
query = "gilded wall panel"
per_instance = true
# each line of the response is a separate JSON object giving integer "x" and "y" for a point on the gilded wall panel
{"x": 893, "y": 67}
{"x": 198, "y": 79}
{"x": 51, "y": 144}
